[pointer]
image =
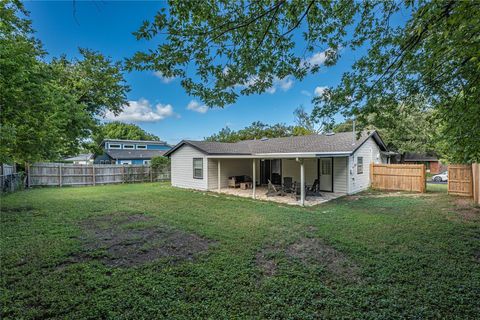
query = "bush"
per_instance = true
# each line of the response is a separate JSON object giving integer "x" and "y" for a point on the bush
{"x": 159, "y": 162}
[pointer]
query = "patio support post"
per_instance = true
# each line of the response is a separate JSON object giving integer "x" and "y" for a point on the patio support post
{"x": 302, "y": 182}
{"x": 218, "y": 168}
{"x": 254, "y": 184}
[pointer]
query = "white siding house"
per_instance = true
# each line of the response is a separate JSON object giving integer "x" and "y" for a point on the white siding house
{"x": 182, "y": 168}
{"x": 337, "y": 163}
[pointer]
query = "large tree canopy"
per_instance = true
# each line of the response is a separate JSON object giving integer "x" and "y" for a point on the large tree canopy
{"x": 48, "y": 109}
{"x": 243, "y": 47}
{"x": 257, "y": 130}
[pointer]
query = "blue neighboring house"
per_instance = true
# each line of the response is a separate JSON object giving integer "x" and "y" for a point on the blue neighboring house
{"x": 118, "y": 151}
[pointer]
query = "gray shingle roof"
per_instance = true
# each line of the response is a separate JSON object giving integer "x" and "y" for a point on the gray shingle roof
{"x": 339, "y": 142}
{"x": 134, "y": 154}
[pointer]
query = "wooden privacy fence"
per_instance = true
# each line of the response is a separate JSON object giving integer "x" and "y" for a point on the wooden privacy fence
{"x": 464, "y": 180}
{"x": 60, "y": 174}
{"x": 404, "y": 177}
{"x": 460, "y": 180}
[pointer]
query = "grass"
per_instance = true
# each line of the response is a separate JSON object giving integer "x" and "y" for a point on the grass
{"x": 414, "y": 257}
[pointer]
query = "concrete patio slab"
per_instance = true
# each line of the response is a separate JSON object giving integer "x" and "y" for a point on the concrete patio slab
{"x": 287, "y": 199}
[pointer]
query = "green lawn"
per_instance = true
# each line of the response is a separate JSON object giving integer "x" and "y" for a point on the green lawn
{"x": 152, "y": 251}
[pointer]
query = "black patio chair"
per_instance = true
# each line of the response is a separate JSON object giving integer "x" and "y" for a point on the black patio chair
{"x": 314, "y": 190}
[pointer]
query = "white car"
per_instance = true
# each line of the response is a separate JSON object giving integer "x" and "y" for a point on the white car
{"x": 440, "y": 177}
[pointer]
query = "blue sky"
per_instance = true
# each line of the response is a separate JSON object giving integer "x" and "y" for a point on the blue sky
{"x": 157, "y": 106}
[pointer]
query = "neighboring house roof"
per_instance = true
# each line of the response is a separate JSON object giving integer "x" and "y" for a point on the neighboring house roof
{"x": 81, "y": 157}
{"x": 335, "y": 143}
{"x": 419, "y": 157}
{"x": 134, "y": 154}
{"x": 151, "y": 142}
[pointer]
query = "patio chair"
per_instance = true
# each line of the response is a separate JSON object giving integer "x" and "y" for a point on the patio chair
{"x": 273, "y": 190}
{"x": 314, "y": 189}
{"x": 288, "y": 184}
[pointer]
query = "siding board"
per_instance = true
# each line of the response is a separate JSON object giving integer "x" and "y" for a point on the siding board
{"x": 182, "y": 168}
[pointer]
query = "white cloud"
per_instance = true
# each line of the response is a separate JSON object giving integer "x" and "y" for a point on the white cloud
{"x": 164, "y": 79}
{"x": 306, "y": 93}
{"x": 197, "y": 106}
{"x": 318, "y": 58}
{"x": 319, "y": 90}
{"x": 285, "y": 84}
{"x": 142, "y": 111}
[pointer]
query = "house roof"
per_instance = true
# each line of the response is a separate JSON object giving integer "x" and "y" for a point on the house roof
{"x": 80, "y": 157}
{"x": 134, "y": 154}
{"x": 419, "y": 157}
{"x": 336, "y": 143}
{"x": 154, "y": 142}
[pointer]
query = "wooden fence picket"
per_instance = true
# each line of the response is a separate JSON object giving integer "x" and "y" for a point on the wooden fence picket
{"x": 58, "y": 174}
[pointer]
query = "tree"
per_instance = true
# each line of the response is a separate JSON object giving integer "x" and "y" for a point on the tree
{"x": 411, "y": 128}
{"x": 304, "y": 122}
{"x": 257, "y": 130}
{"x": 241, "y": 48}
{"x": 48, "y": 109}
{"x": 158, "y": 162}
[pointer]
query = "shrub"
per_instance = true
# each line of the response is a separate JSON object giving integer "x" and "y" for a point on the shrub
{"x": 159, "y": 162}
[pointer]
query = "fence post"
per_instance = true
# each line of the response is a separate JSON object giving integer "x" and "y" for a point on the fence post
{"x": 371, "y": 174}
{"x": 59, "y": 174}
{"x": 476, "y": 182}
{"x": 93, "y": 174}
{"x": 151, "y": 173}
{"x": 123, "y": 173}
{"x": 424, "y": 177}
{"x": 28, "y": 175}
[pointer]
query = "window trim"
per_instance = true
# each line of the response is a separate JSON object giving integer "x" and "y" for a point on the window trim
{"x": 110, "y": 146}
{"x": 143, "y": 146}
{"x": 129, "y": 145}
{"x": 193, "y": 167}
{"x": 358, "y": 166}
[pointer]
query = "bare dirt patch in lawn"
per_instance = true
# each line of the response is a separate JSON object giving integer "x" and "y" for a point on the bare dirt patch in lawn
{"x": 124, "y": 240}
{"x": 266, "y": 263}
{"x": 387, "y": 194}
{"x": 17, "y": 209}
{"x": 310, "y": 252}
{"x": 466, "y": 210}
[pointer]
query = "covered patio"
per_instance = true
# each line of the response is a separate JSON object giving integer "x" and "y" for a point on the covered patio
{"x": 317, "y": 178}
{"x": 261, "y": 194}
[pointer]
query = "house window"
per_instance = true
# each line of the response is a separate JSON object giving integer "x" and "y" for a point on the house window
{"x": 128, "y": 146}
{"x": 146, "y": 161}
{"x": 102, "y": 161}
{"x": 326, "y": 168}
{"x": 114, "y": 146}
{"x": 197, "y": 168}
{"x": 359, "y": 165}
{"x": 141, "y": 146}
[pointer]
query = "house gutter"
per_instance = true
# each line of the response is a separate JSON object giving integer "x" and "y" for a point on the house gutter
{"x": 294, "y": 155}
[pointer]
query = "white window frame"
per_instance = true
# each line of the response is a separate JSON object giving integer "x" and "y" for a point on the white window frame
{"x": 126, "y": 162}
{"x": 130, "y": 146}
{"x": 146, "y": 161}
{"x": 111, "y": 146}
{"x": 200, "y": 176}
{"x": 141, "y": 146}
{"x": 360, "y": 169}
